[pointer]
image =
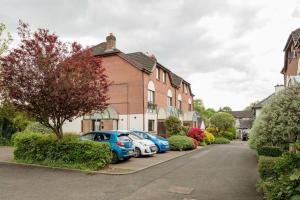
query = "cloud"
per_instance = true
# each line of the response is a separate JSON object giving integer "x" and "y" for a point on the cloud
{"x": 231, "y": 44}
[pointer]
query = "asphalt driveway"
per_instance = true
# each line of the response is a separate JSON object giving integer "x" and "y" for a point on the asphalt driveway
{"x": 215, "y": 173}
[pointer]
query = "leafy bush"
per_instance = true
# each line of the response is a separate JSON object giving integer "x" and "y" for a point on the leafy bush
{"x": 180, "y": 143}
{"x": 221, "y": 140}
{"x": 173, "y": 125}
{"x": 38, "y": 128}
{"x": 4, "y": 141}
{"x": 227, "y": 134}
{"x": 222, "y": 120}
{"x": 209, "y": 138}
{"x": 269, "y": 151}
{"x": 266, "y": 166}
{"x": 68, "y": 152}
{"x": 202, "y": 143}
{"x": 196, "y": 143}
{"x": 196, "y": 133}
{"x": 212, "y": 130}
{"x": 185, "y": 130}
{"x": 281, "y": 178}
{"x": 278, "y": 123}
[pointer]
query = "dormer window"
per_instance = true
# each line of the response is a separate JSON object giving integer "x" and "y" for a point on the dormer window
{"x": 157, "y": 74}
{"x": 292, "y": 54}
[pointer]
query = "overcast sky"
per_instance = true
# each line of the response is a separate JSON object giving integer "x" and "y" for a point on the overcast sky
{"x": 230, "y": 51}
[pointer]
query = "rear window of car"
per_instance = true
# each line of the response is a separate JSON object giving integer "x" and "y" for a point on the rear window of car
{"x": 123, "y": 138}
{"x": 88, "y": 136}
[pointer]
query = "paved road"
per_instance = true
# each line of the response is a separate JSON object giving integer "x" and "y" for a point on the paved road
{"x": 215, "y": 173}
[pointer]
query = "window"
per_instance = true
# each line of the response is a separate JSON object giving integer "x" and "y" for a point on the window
{"x": 190, "y": 104}
{"x": 88, "y": 136}
{"x": 157, "y": 74}
{"x": 150, "y": 125}
{"x": 190, "y": 107}
{"x": 180, "y": 105}
{"x": 164, "y": 77}
{"x": 150, "y": 96}
{"x": 169, "y": 101}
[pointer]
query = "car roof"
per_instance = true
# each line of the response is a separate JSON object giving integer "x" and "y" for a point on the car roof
{"x": 109, "y": 132}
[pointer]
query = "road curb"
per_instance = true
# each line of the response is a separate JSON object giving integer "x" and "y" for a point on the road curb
{"x": 98, "y": 172}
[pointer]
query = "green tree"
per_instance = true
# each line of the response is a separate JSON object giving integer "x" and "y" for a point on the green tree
{"x": 278, "y": 123}
{"x": 5, "y": 38}
{"x": 198, "y": 106}
{"x": 222, "y": 120}
{"x": 173, "y": 125}
{"x": 226, "y": 109}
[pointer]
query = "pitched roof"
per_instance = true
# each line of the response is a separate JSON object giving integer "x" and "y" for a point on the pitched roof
{"x": 242, "y": 114}
{"x": 245, "y": 123}
{"x": 143, "y": 60}
{"x": 293, "y": 37}
{"x": 99, "y": 49}
{"x": 140, "y": 61}
{"x": 263, "y": 102}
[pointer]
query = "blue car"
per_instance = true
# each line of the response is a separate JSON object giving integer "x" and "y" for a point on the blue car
{"x": 161, "y": 143}
{"x": 120, "y": 144}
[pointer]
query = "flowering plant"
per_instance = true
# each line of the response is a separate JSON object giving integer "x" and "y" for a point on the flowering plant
{"x": 196, "y": 133}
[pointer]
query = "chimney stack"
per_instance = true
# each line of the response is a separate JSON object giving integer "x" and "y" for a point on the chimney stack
{"x": 110, "y": 42}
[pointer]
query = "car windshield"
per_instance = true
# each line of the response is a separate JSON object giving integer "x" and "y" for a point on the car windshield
{"x": 123, "y": 137}
{"x": 135, "y": 137}
{"x": 152, "y": 135}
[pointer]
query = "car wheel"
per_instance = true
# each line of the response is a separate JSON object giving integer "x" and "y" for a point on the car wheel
{"x": 115, "y": 158}
{"x": 137, "y": 152}
{"x": 127, "y": 158}
{"x": 158, "y": 150}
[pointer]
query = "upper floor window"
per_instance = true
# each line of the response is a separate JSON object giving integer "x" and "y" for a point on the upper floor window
{"x": 179, "y": 100}
{"x": 151, "y": 96}
{"x": 164, "y": 77}
{"x": 292, "y": 54}
{"x": 190, "y": 105}
{"x": 169, "y": 98}
{"x": 157, "y": 74}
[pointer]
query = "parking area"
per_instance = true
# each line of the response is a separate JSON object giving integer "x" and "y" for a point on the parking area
{"x": 123, "y": 167}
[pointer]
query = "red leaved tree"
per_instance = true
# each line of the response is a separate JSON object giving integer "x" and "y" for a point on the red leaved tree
{"x": 51, "y": 80}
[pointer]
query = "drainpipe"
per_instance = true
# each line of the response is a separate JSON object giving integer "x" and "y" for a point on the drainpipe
{"x": 143, "y": 101}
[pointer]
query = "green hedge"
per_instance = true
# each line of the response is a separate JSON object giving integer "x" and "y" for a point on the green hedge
{"x": 221, "y": 140}
{"x": 180, "y": 143}
{"x": 68, "y": 152}
{"x": 269, "y": 151}
{"x": 266, "y": 166}
{"x": 227, "y": 134}
{"x": 280, "y": 176}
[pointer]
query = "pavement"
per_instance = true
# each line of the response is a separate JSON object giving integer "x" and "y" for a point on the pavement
{"x": 123, "y": 167}
{"x": 218, "y": 172}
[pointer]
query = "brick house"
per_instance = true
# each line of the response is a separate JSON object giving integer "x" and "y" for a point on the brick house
{"x": 142, "y": 95}
{"x": 291, "y": 68}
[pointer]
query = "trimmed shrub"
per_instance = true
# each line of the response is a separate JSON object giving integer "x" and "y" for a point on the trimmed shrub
{"x": 209, "y": 138}
{"x": 68, "y": 152}
{"x": 173, "y": 126}
{"x": 180, "y": 143}
{"x": 278, "y": 123}
{"x": 212, "y": 130}
{"x": 185, "y": 130}
{"x": 227, "y": 134}
{"x": 221, "y": 140}
{"x": 38, "y": 128}
{"x": 281, "y": 178}
{"x": 266, "y": 166}
{"x": 269, "y": 151}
